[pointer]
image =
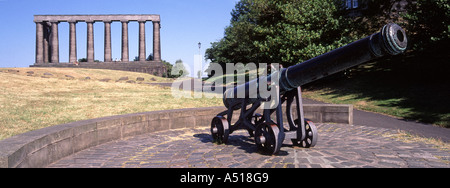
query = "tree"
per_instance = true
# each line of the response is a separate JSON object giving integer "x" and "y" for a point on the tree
{"x": 150, "y": 57}
{"x": 281, "y": 31}
{"x": 168, "y": 69}
{"x": 429, "y": 25}
{"x": 85, "y": 60}
{"x": 378, "y": 13}
{"x": 179, "y": 70}
{"x": 426, "y": 21}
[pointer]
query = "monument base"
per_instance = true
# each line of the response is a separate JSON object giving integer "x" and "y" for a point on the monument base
{"x": 156, "y": 68}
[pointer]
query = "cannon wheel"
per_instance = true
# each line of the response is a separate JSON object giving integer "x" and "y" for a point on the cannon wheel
{"x": 311, "y": 135}
{"x": 266, "y": 138}
{"x": 220, "y": 130}
{"x": 255, "y": 120}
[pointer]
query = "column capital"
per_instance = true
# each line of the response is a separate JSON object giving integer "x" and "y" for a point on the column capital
{"x": 157, "y": 23}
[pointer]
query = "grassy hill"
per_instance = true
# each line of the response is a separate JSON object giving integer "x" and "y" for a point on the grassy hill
{"x": 33, "y": 98}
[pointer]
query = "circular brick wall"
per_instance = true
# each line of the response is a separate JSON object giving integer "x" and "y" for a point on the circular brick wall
{"x": 42, "y": 147}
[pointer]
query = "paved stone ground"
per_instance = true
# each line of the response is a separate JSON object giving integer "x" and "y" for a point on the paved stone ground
{"x": 338, "y": 146}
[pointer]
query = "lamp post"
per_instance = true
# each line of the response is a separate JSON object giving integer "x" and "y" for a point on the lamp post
{"x": 199, "y": 59}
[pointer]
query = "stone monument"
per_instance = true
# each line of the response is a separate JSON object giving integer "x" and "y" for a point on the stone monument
{"x": 47, "y": 42}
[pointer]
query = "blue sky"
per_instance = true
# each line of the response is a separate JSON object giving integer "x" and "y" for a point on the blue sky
{"x": 184, "y": 24}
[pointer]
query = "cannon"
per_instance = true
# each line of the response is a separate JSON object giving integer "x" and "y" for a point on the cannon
{"x": 270, "y": 134}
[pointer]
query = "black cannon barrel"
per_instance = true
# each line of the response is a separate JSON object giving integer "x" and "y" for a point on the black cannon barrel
{"x": 391, "y": 40}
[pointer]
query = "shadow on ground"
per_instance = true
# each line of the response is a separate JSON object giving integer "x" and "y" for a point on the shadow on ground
{"x": 240, "y": 142}
{"x": 418, "y": 87}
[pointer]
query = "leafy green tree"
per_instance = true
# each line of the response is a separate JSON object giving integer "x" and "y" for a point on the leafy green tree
{"x": 168, "y": 69}
{"x": 281, "y": 31}
{"x": 429, "y": 25}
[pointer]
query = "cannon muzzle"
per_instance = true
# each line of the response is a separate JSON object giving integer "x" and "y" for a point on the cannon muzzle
{"x": 391, "y": 40}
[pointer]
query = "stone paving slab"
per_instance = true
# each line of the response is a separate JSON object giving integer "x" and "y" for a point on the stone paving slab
{"x": 339, "y": 146}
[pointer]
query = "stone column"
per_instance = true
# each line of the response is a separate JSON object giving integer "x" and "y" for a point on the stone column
{"x": 54, "y": 43}
{"x": 39, "y": 43}
{"x": 156, "y": 42}
{"x": 72, "y": 42}
{"x": 142, "y": 49}
{"x": 108, "y": 51}
{"x": 125, "y": 57}
{"x": 90, "y": 42}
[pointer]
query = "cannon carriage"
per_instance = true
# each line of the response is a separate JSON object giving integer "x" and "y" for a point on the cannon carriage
{"x": 270, "y": 134}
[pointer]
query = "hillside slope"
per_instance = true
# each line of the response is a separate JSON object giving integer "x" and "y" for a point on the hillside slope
{"x": 33, "y": 98}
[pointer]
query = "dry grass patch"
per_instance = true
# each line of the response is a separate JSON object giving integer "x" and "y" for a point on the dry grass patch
{"x": 32, "y": 102}
{"x": 411, "y": 138}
